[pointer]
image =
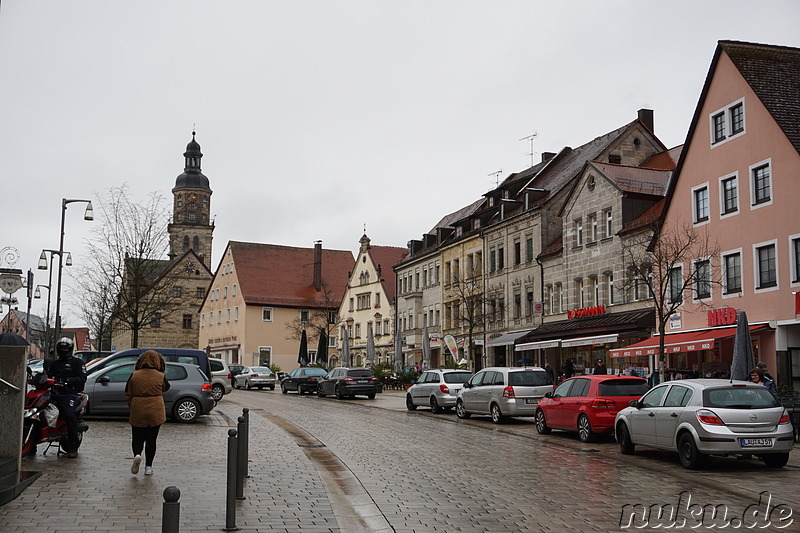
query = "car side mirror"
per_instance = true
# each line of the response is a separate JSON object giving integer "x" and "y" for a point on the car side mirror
{"x": 467, "y": 385}
{"x": 635, "y": 403}
{"x": 104, "y": 379}
{"x": 548, "y": 394}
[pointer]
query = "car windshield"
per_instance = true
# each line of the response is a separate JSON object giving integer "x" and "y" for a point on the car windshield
{"x": 529, "y": 378}
{"x": 315, "y": 372}
{"x": 260, "y": 370}
{"x": 359, "y": 373}
{"x": 622, "y": 387}
{"x": 739, "y": 398}
{"x": 457, "y": 377}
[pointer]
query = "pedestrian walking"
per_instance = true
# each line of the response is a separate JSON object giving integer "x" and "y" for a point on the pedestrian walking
{"x": 600, "y": 368}
{"x": 550, "y": 372}
{"x": 144, "y": 393}
{"x": 568, "y": 369}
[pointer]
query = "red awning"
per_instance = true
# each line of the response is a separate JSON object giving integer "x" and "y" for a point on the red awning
{"x": 690, "y": 341}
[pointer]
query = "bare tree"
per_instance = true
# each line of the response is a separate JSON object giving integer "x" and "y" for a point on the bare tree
{"x": 668, "y": 263}
{"x": 127, "y": 256}
{"x": 324, "y": 319}
{"x": 469, "y": 298}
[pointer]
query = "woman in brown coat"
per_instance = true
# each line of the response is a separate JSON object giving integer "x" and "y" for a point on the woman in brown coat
{"x": 144, "y": 393}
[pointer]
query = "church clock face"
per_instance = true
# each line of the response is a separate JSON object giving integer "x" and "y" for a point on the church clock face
{"x": 189, "y": 267}
{"x": 192, "y": 198}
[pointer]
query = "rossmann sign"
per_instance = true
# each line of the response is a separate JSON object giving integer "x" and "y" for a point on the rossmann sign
{"x": 587, "y": 311}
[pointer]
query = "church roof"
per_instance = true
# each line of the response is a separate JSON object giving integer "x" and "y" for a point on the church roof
{"x": 192, "y": 177}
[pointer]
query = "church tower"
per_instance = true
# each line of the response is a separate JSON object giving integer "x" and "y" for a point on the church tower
{"x": 191, "y": 227}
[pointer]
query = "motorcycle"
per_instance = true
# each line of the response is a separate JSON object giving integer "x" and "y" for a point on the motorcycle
{"x": 42, "y": 422}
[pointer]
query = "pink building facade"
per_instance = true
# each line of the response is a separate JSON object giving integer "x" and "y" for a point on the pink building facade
{"x": 738, "y": 181}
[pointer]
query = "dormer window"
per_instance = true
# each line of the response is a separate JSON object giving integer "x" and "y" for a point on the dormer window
{"x": 727, "y": 123}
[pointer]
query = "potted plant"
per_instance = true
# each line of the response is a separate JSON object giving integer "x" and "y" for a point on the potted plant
{"x": 408, "y": 377}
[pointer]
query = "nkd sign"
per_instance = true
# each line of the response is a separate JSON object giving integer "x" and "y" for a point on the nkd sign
{"x": 587, "y": 311}
{"x": 722, "y": 317}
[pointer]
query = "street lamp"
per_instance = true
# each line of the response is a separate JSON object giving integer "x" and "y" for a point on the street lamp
{"x": 88, "y": 215}
{"x": 37, "y": 294}
{"x": 43, "y": 266}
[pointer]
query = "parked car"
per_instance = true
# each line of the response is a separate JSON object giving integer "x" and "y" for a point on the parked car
{"x": 587, "y": 404}
{"x": 87, "y": 356}
{"x": 348, "y": 382}
{"x": 437, "y": 388}
{"x": 220, "y": 378}
{"x": 235, "y": 369}
{"x": 702, "y": 417}
{"x": 174, "y": 355}
{"x": 255, "y": 376}
{"x": 502, "y": 392}
{"x": 188, "y": 397}
{"x": 303, "y": 380}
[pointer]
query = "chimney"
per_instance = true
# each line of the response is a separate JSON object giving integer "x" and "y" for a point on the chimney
{"x": 318, "y": 265}
{"x": 547, "y": 156}
{"x": 646, "y": 117}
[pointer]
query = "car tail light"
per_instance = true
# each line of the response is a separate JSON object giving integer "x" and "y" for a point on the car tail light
{"x": 230, "y": 376}
{"x": 348, "y": 379}
{"x": 373, "y": 379}
{"x": 444, "y": 388}
{"x": 708, "y": 417}
{"x": 784, "y": 418}
{"x": 206, "y": 386}
{"x": 311, "y": 380}
{"x": 508, "y": 392}
{"x": 604, "y": 403}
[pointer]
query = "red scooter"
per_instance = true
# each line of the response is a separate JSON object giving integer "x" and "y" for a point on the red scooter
{"x": 36, "y": 428}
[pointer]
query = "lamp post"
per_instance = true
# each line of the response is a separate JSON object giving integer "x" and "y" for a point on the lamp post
{"x": 43, "y": 266}
{"x": 88, "y": 215}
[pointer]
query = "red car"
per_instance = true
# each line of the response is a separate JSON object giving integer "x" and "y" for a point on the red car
{"x": 587, "y": 404}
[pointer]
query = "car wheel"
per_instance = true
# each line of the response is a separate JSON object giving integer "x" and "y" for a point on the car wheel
{"x": 410, "y": 403}
{"x": 247, "y": 385}
{"x": 435, "y": 409}
{"x": 301, "y": 389}
{"x": 691, "y": 458}
{"x": 186, "y": 410}
{"x": 339, "y": 394}
{"x": 235, "y": 385}
{"x": 283, "y": 388}
{"x": 776, "y": 460}
{"x": 272, "y": 387}
{"x": 461, "y": 412}
{"x": 497, "y": 415}
{"x": 585, "y": 429}
{"x": 371, "y": 396}
{"x": 321, "y": 394}
{"x": 217, "y": 392}
{"x": 541, "y": 423}
{"x": 626, "y": 445}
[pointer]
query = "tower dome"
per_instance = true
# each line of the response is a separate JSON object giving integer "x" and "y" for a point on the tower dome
{"x": 192, "y": 177}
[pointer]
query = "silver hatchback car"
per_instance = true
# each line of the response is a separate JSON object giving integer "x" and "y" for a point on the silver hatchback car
{"x": 438, "y": 388}
{"x": 502, "y": 392}
{"x": 702, "y": 417}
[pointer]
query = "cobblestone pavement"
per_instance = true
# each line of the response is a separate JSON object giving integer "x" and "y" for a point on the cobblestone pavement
{"x": 419, "y": 472}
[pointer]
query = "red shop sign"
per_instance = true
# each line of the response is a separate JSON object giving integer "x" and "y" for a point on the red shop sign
{"x": 587, "y": 311}
{"x": 722, "y": 317}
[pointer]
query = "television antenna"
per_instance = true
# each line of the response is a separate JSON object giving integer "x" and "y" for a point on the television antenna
{"x": 496, "y": 175}
{"x": 530, "y": 138}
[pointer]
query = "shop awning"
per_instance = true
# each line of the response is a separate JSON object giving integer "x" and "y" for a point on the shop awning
{"x": 507, "y": 338}
{"x": 540, "y": 345}
{"x": 690, "y": 341}
{"x": 583, "y": 341}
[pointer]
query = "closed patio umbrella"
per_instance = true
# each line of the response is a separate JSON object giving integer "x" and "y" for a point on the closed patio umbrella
{"x": 345, "y": 349}
{"x": 302, "y": 356}
{"x": 398, "y": 353}
{"x": 426, "y": 350}
{"x": 322, "y": 349}
{"x": 370, "y": 346}
{"x": 743, "y": 358}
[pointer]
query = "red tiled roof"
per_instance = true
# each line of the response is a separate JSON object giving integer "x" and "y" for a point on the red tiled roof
{"x": 270, "y": 274}
{"x": 386, "y": 257}
{"x": 664, "y": 160}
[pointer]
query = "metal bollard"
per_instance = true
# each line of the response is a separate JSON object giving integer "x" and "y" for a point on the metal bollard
{"x": 230, "y": 508}
{"x": 240, "y": 453}
{"x": 245, "y": 435}
{"x": 171, "y": 513}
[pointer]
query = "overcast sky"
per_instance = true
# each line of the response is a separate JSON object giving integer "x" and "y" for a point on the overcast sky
{"x": 319, "y": 117}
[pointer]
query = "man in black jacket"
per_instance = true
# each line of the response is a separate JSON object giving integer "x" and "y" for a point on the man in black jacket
{"x": 70, "y": 371}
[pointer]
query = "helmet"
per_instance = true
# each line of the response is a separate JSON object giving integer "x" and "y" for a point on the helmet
{"x": 64, "y": 347}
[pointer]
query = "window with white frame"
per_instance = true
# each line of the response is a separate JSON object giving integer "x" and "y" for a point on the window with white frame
{"x": 234, "y": 290}
{"x": 578, "y": 233}
{"x": 358, "y": 330}
{"x": 702, "y": 279}
{"x": 700, "y": 203}
{"x": 611, "y": 289}
{"x": 609, "y": 223}
{"x": 266, "y": 314}
{"x": 228, "y": 315}
{"x": 202, "y": 320}
{"x": 236, "y": 314}
{"x": 593, "y": 227}
{"x": 676, "y": 284}
{"x": 501, "y": 258}
{"x": 761, "y": 184}
{"x": 729, "y": 194}
{"x": 225, "y": 291}
{"x": 595, "y": 291}
{"x": 766, "y": 266}
{"x": 517, "y": 303}
{"x": 732, "y": 274}
{"x": 794, "y": 250}
{"x": 727, "y": 123}
{"x": 304, "y": 316}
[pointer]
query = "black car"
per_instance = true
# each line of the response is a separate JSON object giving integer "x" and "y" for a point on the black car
{"x": 347, "y": 382}
{"x": 303, "y": 380}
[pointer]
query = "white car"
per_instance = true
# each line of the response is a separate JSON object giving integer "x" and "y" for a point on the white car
{"x": 702, "y": 417}
{"x": 437, "y": 388}
{"x": 502, "y": 392}
{"x": 255, "y": 376}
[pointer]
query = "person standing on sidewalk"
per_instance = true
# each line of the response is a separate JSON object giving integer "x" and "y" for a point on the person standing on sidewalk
{"x": 144, "y": 393}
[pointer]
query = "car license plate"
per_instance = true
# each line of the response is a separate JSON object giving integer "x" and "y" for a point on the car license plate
{"x": 363, "y": 381}
{"x": 755, "y": 443}
{"x": 531, "y": 400}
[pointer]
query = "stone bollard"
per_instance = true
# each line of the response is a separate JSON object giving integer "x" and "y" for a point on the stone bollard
{"x": 240, "y": 453}
{"x": 171, "y": 513}
{"x": 230, "y": 508}
{"x": 245, "y": 435}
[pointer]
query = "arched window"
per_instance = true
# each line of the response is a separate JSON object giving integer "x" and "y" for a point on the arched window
{"x": 196, "y": 243}
{"x": 185, "y": 243}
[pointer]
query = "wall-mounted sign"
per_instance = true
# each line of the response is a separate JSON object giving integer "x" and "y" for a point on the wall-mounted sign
{"x": 587, "y": 311}
{"x": 722, "y": 317}
{"x": 675, "y": 321}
